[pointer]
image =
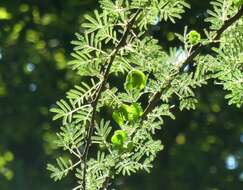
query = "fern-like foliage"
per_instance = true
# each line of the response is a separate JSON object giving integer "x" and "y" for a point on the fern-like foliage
{"x": 115, "y": 41}
{"x": 222, "y": 11}
{"x": 230, "y": 72}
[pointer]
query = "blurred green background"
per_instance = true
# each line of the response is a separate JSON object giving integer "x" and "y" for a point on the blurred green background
{"x": 203, "y": 148}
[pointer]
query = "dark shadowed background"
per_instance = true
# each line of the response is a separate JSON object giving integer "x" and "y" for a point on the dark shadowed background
{"x": 203, "y": 148}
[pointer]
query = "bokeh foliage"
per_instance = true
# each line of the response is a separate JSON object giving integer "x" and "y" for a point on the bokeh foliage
{"x": 203, "y": 148}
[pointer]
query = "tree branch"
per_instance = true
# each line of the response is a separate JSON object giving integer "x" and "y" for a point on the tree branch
{"x": 156, "y": 97}
{"x": 101, "y": 88}
{"x": 225, "y": 26}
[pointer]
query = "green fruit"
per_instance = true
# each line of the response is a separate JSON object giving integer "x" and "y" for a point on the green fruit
{"x": 121, "y": 114}
{"x": 194, "y": 37}
{"x": 127, "y": 113}
{"x": 135, "y": 80}
{"x": 118, "y": 139}
{"x": 134, "y": 112}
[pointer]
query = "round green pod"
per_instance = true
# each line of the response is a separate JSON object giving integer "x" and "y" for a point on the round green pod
{"x": 194, "y": 37}
{"x": 121, "y": 114}
{"x": 118, "y": 139}
{"x": 127, "y": 113}
{"x": 132, "y": 112}
{"x": 135, "y": 80}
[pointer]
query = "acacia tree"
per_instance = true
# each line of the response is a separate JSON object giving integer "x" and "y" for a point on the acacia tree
{"x": 116, "y": 40}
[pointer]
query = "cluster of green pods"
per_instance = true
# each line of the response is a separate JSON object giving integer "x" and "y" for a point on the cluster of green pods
{"x": 135, "y": 80}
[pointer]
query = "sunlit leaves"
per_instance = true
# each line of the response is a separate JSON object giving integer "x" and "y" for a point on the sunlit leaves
{"x": 4, "y": 14}
{"x": 71, "y": 138}
{"x": 5, "y": 159}
{"x": 172, "y": 9}
{"x": 228, "y": 64}
{"x": 188, "y": 103}
{"x": 157, "y": 10}
{"x": 102, "y": 132}
{"x": 114, "y": 41}
{"x": 102, "y": 25}
{"x": 62, "y": 169}
{"x": 233, "y": 82}
{"x": 222, "y": 10}
{"x": 78, "y": 108}
{"x": 82, "y": 94}
{"x": 95, "y": 22}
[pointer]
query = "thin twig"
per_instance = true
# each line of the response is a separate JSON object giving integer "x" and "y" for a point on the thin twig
{"x": 225, "y": 26}
{"x": 156, "y": 97}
